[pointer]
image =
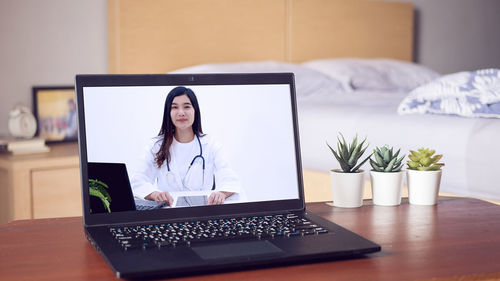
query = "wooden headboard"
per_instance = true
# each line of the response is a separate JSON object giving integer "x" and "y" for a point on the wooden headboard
{"x": 157, "y": 36}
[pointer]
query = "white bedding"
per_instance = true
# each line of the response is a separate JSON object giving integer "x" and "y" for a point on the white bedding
{"x": 468, "y": 145}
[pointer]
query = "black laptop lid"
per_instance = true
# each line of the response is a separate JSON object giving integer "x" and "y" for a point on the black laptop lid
{"x": 111, "y": 188}
{"x": 249, "y": 121}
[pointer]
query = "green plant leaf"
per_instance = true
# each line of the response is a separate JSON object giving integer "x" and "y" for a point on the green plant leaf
{"x": 385, "y": 156}
{"x": 344, "y": 153}
{"x": 397, "y": 153}
{"x": 436, "y": 158}
{"x": 375, "y": 166}
{"x": 353, "y": 145}
{"x": 426, "y": 161}
{"x": 103, "y": 191}
{"x": 94, "y": 182}
{"x": 413, "y": 165}
{"x": 96, "y": 193}
{"x": 390, "y": 165}
{"x": 339, "y": 151}
{"x": 379, "y": 159}
{"x": 361, "y": 164}
{"x": 436, "y": 167}
{"x": 343, "y": 166}
{"x": 354, "y": 156}
{"x": 414, "y": 158}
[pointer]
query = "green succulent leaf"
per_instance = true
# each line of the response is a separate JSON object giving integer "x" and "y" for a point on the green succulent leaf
{"x": 375, "y": 166}
{"x": 397, "y": 153}
{"x": 424, "y": 160}
{"x": 354, "y": 156}
{"x": 361, "y": 164}
{"x": 379, "y": 158}
{"x": 353, "y": 144}
{"x": 436, "y": 158}
{"x": 413, "y": 165}
{"x": 385, "y": 155}
{"x": 348, "y": 155}
{"x": 343, "y": 166}
{"x": 414, "y": 158}
{"x": 390, "y": 165}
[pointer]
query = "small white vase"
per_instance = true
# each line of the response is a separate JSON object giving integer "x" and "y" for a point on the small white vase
{"x": 347, "y": 188}
{"x": 423, "y": 186}
{"x": 386, "y": 187}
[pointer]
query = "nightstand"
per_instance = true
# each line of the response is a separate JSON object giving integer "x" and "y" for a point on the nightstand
{"x": 42, "y": 185}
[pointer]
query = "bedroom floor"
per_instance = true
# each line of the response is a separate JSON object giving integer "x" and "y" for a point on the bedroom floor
{"x": 317, "y": 188}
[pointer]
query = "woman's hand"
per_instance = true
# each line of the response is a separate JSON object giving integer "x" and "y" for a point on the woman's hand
{"x": 160, "y": 197}
{"x": 218, "y": 197}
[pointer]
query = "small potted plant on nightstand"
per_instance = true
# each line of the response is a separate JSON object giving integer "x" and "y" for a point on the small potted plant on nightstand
{"x": 423, "y": 176}
{"x": 348, "y": 183}
{"x": 386, "y": 176}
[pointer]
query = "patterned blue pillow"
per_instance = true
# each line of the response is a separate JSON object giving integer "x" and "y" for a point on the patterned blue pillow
{"x": 468, "y": 94}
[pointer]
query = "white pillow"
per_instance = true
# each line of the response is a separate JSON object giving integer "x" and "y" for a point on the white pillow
{"x": 467, "y": 94}
{"x": 308, "y": 81}
{"x": 375, "y": 74}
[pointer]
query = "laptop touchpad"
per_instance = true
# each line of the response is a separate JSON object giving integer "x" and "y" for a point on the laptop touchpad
{"x": 236, "y": 249}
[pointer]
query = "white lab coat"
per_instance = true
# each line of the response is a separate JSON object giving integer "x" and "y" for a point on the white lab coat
{"x": 149, "y": 178}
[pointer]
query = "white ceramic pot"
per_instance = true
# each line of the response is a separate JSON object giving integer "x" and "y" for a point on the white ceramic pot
{"x": 347, "y": 188}
{"x": 423, "y": 186}
{"x": 386, "y": 187}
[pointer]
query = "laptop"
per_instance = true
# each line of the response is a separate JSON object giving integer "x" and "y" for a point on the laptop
{"x": 117, "y": 188}
{"x": 238, "y": 204}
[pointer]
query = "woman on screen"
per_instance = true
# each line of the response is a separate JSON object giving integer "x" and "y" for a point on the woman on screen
{"x": 183, "y": 160}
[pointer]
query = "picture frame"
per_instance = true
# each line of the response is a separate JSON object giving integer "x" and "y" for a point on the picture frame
{"x": 56, "y": 113}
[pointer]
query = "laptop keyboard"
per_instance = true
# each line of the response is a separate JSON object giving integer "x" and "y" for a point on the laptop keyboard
{"x": 193, "y": 232}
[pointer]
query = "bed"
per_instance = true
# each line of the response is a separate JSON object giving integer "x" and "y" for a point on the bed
{"x": 286, "y": 35}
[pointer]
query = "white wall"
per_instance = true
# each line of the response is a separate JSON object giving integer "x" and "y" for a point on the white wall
{"x": 45, "y": 43}
{"x": 457, "y": 35}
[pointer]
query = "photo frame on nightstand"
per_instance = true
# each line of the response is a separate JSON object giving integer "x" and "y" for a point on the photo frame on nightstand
{"x": 55, "y": 111}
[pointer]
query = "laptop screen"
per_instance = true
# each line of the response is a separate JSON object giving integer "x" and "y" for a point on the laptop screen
{"x": 184, "y": 143}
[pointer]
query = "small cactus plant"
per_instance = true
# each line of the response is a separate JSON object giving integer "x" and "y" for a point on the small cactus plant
{"x": 423, "y": 160}
{"x": 386, "y": 160}
{"x": 348, "y": 155}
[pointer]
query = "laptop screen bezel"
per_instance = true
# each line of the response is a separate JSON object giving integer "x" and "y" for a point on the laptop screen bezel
{"x": 114, "y": 80}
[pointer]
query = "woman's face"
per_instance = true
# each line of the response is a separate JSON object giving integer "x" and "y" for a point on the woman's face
{"x": 182, "y": 112}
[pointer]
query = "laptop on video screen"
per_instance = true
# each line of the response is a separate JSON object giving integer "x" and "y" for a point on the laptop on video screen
{"x": 193, "y": 173}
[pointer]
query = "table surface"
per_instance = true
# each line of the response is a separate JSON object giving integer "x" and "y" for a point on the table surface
{"x": 457, "y": 237}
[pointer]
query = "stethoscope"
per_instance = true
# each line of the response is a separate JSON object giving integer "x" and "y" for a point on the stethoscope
{"x": 188, "y": 178}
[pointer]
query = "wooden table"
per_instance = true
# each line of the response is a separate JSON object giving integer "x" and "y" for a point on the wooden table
{"x": 458, "y": 237}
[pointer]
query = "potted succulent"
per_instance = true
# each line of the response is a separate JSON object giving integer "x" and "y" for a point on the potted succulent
{"x": 386, "y": 176}
{"x": 423, "y": 176}
{"x": 348, "y": 182}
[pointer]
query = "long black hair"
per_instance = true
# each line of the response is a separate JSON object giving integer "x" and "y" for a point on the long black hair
{"x": 167, "y": 127}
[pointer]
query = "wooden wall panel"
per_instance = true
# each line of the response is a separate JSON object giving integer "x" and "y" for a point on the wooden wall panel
{"x": 157, "y": 36}
{"x": 340, "y": 28}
